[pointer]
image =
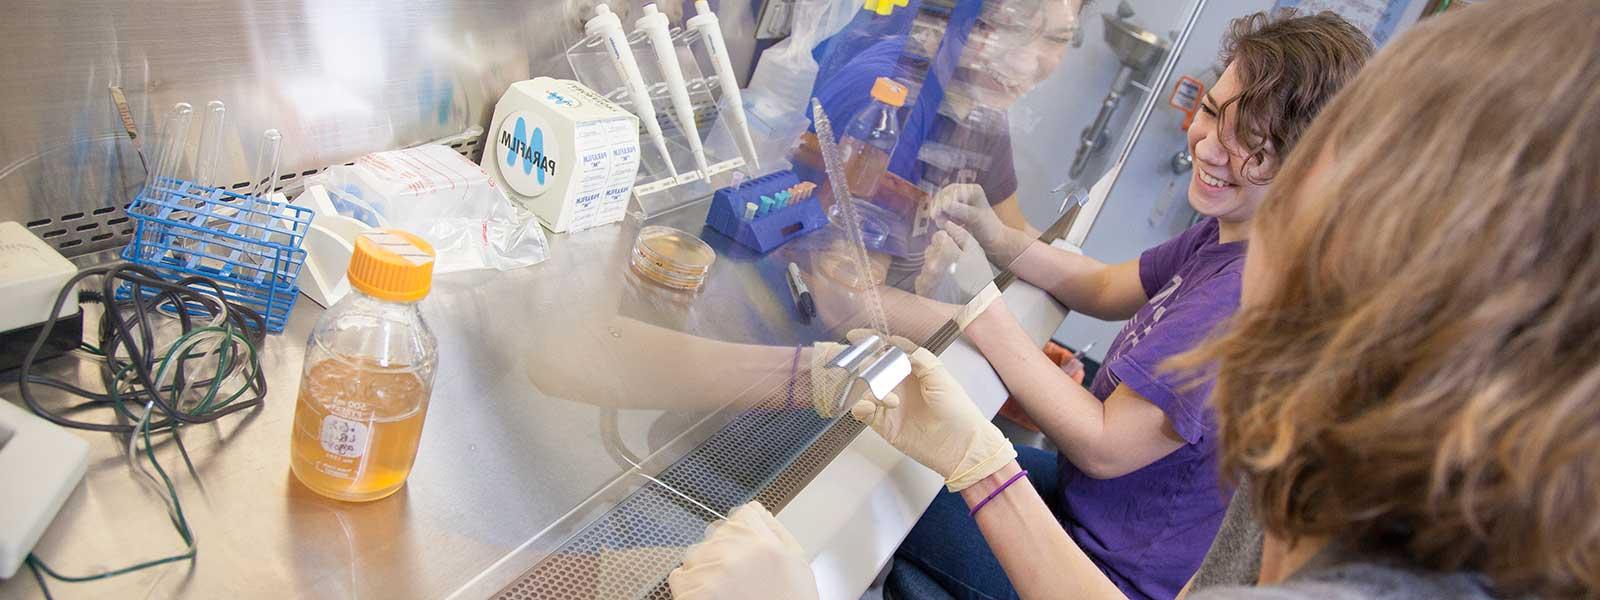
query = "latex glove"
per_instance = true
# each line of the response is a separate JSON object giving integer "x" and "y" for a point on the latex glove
{"x": 938, "y": 267}
{"x": 936, "y": 423}
{"x": 750, "y": 555}
{"x": 966, "y": 205}
{"x": 828, "y": 382}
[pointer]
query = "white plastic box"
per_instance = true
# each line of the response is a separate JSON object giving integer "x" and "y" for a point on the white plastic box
{"x": 564, "y": 152}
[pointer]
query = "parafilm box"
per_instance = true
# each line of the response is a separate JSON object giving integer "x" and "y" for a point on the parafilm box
{"x": 566, "y": 153}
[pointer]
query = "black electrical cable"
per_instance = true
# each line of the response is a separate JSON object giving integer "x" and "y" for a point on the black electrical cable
{"x": 186, "y": 299}
{"x": 128, "y": 328}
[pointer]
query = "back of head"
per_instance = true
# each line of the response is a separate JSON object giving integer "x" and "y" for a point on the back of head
{"x": 1417, "y": 365}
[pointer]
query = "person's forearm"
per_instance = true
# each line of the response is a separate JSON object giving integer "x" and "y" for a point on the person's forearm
{"x": 1077, "y": 281}
{"x": 914, "y": 317}
{"x": 1067, "y": 414}
{"x": 1038, "y": 556}
{"x": 652, "y": 367}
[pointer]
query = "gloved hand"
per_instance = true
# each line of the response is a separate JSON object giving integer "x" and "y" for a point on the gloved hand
{"x": 750, "y": 555}
{"x": 966, "y": 205}
{"x": 828, "y": 382}
{"x": 938, "y": 266}
{"x": 936, "y": 423}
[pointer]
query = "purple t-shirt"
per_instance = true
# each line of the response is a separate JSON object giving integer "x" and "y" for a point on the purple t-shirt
{"x": 1149, "y": 529}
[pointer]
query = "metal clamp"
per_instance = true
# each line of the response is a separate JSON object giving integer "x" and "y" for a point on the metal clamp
{"x": 879, "y": 364}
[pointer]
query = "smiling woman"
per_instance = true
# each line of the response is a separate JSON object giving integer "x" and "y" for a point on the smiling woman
{"x": 1280, "y": 74}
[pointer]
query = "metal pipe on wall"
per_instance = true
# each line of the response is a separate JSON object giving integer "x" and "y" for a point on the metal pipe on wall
{"x": 1085, "y": 219}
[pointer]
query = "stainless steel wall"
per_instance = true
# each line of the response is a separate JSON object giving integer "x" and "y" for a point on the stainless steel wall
{"x": 338, "y": 78}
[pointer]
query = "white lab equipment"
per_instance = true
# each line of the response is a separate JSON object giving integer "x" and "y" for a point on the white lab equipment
{"x": 607, "y": 26}
{"x": 706, "y": 23}
{"x": 654, "y": 26}
{"x": 563, "y": 152}
{"x": 438, "y": 194}
{"x": 329, "y": 244}
{"x": 41, "y": 463}
{"x": 31, "y": 274}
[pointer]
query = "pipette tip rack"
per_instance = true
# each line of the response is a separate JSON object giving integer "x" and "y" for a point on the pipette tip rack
{"x": 784, "y": 208}
{"x": 249, "y": 245}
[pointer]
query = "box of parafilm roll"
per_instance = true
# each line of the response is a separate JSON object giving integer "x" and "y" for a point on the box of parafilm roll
{"x": 566, "y": 153}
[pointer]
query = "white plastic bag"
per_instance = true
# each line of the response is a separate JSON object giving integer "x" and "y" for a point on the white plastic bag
{"x": 780, "y": 88}
{"x": 436, "y": 193}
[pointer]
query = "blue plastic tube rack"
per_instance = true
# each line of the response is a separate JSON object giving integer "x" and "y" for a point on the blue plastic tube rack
{"x": 249, "y": 245}
{"x": 766, "y": 231}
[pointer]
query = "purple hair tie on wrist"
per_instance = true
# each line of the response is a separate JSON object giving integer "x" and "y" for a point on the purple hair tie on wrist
{"x": 996, "y": 492}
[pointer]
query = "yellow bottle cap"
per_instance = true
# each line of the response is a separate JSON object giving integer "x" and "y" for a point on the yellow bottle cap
{"x": 391, "y": 264}
{"x": 889, "y": 92}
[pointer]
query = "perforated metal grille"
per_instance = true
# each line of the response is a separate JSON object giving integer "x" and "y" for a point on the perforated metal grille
{"x": 805, "y": 467}
{"x": 84, "y": 232}
{"x": 629, "y": 551}
{"x": 626, "y": 554}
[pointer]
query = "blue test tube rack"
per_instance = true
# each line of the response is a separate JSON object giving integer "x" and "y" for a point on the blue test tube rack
{"x": 250, "y": 246}
{"x": 774, "y": 228}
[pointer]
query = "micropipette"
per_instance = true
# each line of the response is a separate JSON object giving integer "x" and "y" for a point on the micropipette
{"x": 607, "y": 26}
{"x": 706, "y": 23}
{"x": 654, "y": 26}
{"x": 205, "y": 161}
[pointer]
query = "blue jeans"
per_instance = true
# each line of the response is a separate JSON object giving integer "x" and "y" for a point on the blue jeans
{"x": 945, "y": 556}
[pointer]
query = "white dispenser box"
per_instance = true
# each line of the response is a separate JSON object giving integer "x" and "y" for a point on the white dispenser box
{"x": 564, "y": 152}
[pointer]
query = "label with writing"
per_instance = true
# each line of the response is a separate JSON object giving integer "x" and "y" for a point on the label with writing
{"x": 343, "y": 437}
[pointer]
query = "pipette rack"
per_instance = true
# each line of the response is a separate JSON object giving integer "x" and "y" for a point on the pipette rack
{"x": 248, "y": 245}
{"x": 773, "y": 229}
{"x": 656, "y": 190}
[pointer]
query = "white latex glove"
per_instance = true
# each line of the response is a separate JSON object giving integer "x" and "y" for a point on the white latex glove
{"x": 750, "y": 555}
{"x": 936, "y": 423}
{"x": 966, "y": 205}
{"x": 938, "y": 266}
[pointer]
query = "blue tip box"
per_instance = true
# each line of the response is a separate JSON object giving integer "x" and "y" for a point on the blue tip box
{"x": 773, "y": 229}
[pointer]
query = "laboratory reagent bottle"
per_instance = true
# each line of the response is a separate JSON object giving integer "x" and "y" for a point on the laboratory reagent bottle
{"x": 870, "y": 138}
{"x": 368, "y": 372}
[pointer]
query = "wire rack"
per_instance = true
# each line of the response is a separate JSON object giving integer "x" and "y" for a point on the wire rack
{"x": 248, "y": 245}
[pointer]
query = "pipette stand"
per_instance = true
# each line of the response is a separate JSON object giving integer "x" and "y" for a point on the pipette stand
{"x": 656, "y": 191}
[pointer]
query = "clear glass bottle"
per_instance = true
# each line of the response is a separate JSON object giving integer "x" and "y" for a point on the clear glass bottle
{"x": 870, "y": 137}
{"x": 368, "y": 372}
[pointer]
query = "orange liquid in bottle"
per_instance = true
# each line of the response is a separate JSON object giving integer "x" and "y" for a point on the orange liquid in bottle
{"x": 356, "y": 428}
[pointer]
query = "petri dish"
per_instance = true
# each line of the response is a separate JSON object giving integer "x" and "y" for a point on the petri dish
{"x": 672, "y": 257}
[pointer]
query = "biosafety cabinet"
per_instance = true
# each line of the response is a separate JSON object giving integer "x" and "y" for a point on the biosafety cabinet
{"x": 585, "y": 424}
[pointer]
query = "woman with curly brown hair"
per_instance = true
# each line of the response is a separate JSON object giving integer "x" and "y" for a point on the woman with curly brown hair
{"x": 1412, "y": 383}
{"x": 1135, "y": 480}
